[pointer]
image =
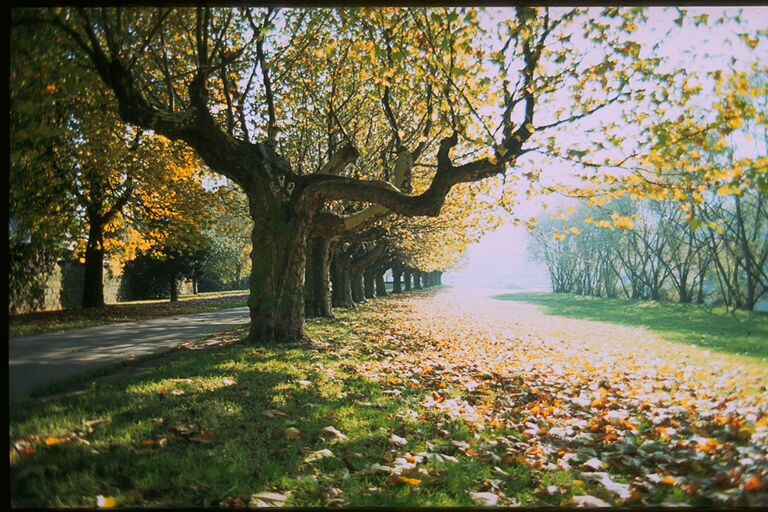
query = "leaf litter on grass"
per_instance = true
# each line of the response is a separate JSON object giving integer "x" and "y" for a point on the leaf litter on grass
{"x": 633, "y": 422}
{"x": 598, "y": 419}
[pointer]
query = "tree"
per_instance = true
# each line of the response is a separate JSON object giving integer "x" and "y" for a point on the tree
{"x": 206, "y": 96}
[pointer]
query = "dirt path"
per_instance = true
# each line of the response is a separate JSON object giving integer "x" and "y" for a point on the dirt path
{"x": 615, "y": 405}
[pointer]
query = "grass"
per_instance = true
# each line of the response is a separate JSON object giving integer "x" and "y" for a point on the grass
{"x": 737, "y": 332}
{"x": 246, "y": 451}
{"x": 50, "y": 321}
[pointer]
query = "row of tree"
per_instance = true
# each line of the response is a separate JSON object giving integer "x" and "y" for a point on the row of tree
{"x": 331, "y": 121}
{"x": 86, "y": 186}
{"x": 661, "y": 253}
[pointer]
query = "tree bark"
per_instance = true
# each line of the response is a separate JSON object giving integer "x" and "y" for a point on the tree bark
{"x": 417, "y": 278}
{"x": 318, "y": 288}
{"x": 381, "y": 286}
{"x": 93, "y": 286}
{"x": 369, "y": 284}
{"x": 397, "y": 274}
{"x": 341, "y": 279}
{"x": 358, "y": 288}
{"x": 311, "y": 302}
{"x": 407, "y": 280}
{"x": 278, "y": 260}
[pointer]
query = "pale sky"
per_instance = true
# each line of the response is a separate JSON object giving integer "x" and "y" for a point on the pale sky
{"x": 500, "y": 259}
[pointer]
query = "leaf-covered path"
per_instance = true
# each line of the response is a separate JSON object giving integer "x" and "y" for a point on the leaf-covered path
{"x": 632, "y": 417}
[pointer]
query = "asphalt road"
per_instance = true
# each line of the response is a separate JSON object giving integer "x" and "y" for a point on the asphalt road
{"x": 35, "y": 361}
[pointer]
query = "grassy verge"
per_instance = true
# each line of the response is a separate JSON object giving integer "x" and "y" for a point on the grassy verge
{"x": 50, "y": 321}
{"x": 210, "y": 428}
{"x": 736, "y": 332}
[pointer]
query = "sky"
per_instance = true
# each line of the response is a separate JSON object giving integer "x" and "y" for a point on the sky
{"x": 500, "y": 259}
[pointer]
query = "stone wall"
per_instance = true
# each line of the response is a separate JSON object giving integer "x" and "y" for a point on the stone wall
{"x": 63, "y": 289}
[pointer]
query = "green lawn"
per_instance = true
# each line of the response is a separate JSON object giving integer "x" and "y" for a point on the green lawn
{"x": 221, "y": 447}
{"x": 736, "y": 332}
{"x": 50, "y": 321}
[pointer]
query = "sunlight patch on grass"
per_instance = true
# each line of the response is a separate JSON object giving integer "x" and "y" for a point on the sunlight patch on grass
{"x": 742, "y": 333}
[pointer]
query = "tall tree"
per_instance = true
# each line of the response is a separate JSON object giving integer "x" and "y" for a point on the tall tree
{"x": 217, "y": 78}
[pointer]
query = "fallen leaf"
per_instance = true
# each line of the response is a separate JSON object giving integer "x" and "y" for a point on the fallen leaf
{"x": 413, "y": 482}
{"x": 594, "y": 464}
{"x": 397, "y": 440}
{"x": 183, "y": 430}
{"x": 267, "y": 499}
{"x": 54, "y": 441}
{"x": 318, "y": 455}
{"x": 293, "y": 433}
{"x": 622, "y": 490}
{"x": 229, "y": 382}
{"x": 754, "y": 484}
{"x": 273, "y": 413}
{"x": 488, "y": 499}
{"x": 379, "y": 468}
{"x": 588, "y": 501}
{"x": 106, "y": 501}
{"x": 98, "y": 421}
{"x": 332, "y": 433}
{"x": 205, "y": 437}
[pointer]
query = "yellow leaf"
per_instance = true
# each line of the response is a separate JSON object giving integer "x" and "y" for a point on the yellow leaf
{"x": 413, "y": 482}
{"x": 106, "y": 501}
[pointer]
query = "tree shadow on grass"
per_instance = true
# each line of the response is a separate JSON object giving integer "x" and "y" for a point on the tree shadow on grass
{"x": 738, "y": 332}
{"x": 247, "y": 452}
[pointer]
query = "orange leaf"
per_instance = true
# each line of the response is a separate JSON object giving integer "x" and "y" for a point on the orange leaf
{"x": 754, "y": 484}
{"x": 106, "y": 501}
{"x": 413, "y": 482}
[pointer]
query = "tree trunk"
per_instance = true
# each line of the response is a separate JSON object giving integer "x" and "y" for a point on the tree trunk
{"x": 417, "y": 280}
{"x": 278, "y": 260}
{"x": 369, "y": 285}
{"x": 358, "y": 288}
{"x": 93, "y": 285}
{"x": 321, "y": 259}
{"x": 397, "y": 275}
{"x": 381, "y": 286}
{"x": 174, "y": 289}
{"x": 439, "y": 278}
{"x": 311, "y": 302}
{"x": 408, "y": 281}
{"x": 341, "y": 279}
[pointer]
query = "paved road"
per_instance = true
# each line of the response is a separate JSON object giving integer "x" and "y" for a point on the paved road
{"x": 34, "y": 361}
